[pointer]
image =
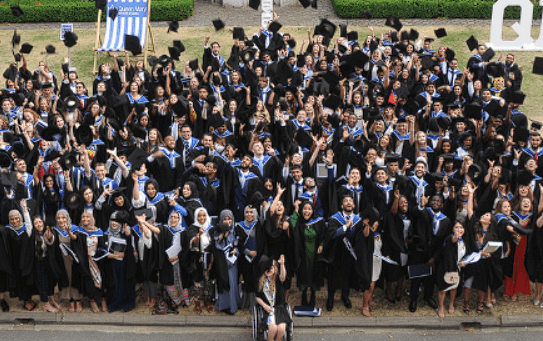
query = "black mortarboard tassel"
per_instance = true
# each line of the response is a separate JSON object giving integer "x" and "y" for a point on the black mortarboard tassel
{"x": 132, "y": 44}
{"x": 173, "y": 26}
{"x": 254, "y": 4}
{"x": 218, "y": 24}
{"x": 473, "y": 43}
{"x": 305, "y": 3}
{"x": 538, "y": 66}
{"x": 440, "y": 32}
{"x": 238, "y": 33}
{"x": 70, "y": 39}
{"x": 488, "y": 55}
{"x": 17, "y": 11}
{"x": 113, "y": 13}
{"x": 394, "y": 22}
{"x": 16, "y": 39}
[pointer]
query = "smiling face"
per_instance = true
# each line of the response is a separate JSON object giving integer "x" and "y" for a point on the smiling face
{"x": 38, "y": 224}
{"x": 202, "y": 217}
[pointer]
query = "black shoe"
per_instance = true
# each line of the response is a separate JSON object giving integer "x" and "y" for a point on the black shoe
{"x": 431, "y": 302}
{"x": 4, "y": 305}
{"x": 398, "y": 298}
{"x": 330, "y": 304}
{"x": 312, "y": 299}
{"x": 347, "y": 302}
{"x": 413, "y": 306}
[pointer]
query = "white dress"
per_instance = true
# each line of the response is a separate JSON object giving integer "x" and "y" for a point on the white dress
{"x": 377, "y": 262}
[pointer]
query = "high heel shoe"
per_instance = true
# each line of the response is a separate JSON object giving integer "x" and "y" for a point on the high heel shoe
{"x": 480, "y": 307}
{"x": 466, "y": 307}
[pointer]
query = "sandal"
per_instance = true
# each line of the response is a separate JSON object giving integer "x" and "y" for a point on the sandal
{"x": 466, "y": 307}
{"x": 78, "y": 306}
{"x": 33, "y": 305}
{"x": 104, "y": 305}
{"x": 451, "y": 310}
{"x": 514, "y": 298}
{"x": 49, "y": 308}
{"x": 441, "y": 312}
{"x": 480, "y": 307}
{"x": 197, "y": 308}
{"x": 94, "y": 307}
{"x": 489, "y": 305}
{"x": 56, "y": 305}
{"x": 72, "y": 307}
{"x": 209, "y": 307}
{"x": 366, "y": 311}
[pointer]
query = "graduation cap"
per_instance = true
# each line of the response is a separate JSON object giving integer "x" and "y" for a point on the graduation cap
{"x": 10, "y": 73}
{"x": 274, "y": 26}
{"x": 72, "y": 103}
{"x": 325, "y": 41}
{"x": 428, "y": 40}
{"x": 421, "y": 101}
{"x": 164, "y": 60}
{"x": 179, "y": 44}
{"x": 67, "y": 161}
{"x": 83, "y": 135}
{"x": 524, "y": 178}
{"x": 248, "y": 55}
{"x": 238, "y": 33}
{"x": 291, "y": 43}
{"x": 122, "y": 216}
{"x": 495, "y": 69}
{"x": 173, "y": 26}
{"x": 472, "y": 42}
{"x": 359, "y": 59}
{"x": 8, "y": 179}
{"x": 305, "y": 3}
{"x": 332, "y": 101}
{"x": 327, "y": 28}
{"x": 474, "y": 110}
{"x": 113, "y": 13}
{"x": 26, "y": 48}
{"x": 488, "y": 55}
{"x": 254, "y": 4}
{"x": 174, "y": 52}
{"x": 427, "y": 62}
{"x": 404, "y": 36}
{"x": 343, "y": 30}
{"x": 17, "y": 11}
{"x": 394, "y": 36}
{"x": 193, "y": 64}
{"x": 51, "y": 134}
{"x": 132, "y": 44}
{"x": 538, "y": 66}
{"x": 51, "y": 155}
{"x": 411, "y": 107}
{"x": 18, "y": 98}
{"x": 476, "y": 174}
{"x": 218, "y": 24}
{"x": 440, "y": 32}
{"x": 450, "y": 54}
{"x": 137, "y": 158}
{"x": 518, "y": 97}
{"x": 394, "y": 22}
{"x": 353, "y": 35}
{"x": 16, "y": 39}
{"x": 18, "y": 148}
{"x": 536, "y": 125}
{"x": 413, "y": 35}
{"x": 5, "y": 159}
{"x": 70, "y": 39}
{"x": 153, "y": 60}
{"x": 73, "y": 200}
{"x": 521, "y": 135}
{"x": 100, "y": 4}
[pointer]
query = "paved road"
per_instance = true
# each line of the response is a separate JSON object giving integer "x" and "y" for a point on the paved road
{"x": 114, "y": 334}
{"x": 205, "y": 11}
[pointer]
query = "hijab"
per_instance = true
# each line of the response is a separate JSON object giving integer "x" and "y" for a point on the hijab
{"x": 205, "y": 226}
{"x": 68, "y": 219}
{"x": 224, "y": 214}
{"x": 16, "y": 213}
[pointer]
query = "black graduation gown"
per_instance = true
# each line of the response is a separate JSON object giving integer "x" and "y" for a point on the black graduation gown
{"x": 121, "y": 275}
{"x": 448, "y": 263}
{"x": 279, "y": 308}
{"x": 166, "y": 272}
{"x": 487, "y": 272}
{"x": 22, "y": 262}
{"x": 148, "y": 267}
{"x": 56, "y": 262}
{"x": 533, "y": 260}
{"x": 394, "y": 244}
{"x": 249, "y": 269}
{"x": 309, "y": 272}
{"x": 86, "y": 278}
{"x": 363, "y": 265}
{"x": 6, "y": 269}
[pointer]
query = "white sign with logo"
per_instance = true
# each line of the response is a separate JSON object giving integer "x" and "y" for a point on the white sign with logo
{"x": 65, "y": 28}
{"x": 524, "y": 41}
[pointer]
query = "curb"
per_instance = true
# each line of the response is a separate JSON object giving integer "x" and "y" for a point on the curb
{"x": 398, "y": 322}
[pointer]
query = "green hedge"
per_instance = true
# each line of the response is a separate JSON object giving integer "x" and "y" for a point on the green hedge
{"x": 77, "y": 11}
{"x": 426, "y": 8}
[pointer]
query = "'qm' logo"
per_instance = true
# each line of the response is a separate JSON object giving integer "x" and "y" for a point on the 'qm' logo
{"x": 523, "y": 28}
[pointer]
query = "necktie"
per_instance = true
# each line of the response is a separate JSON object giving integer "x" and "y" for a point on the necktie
{"x": 101, "y": 185}
{"x": 314, "y": 200}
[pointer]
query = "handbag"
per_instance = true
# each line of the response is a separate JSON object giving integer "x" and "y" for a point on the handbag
{"x": 451, "y": 277}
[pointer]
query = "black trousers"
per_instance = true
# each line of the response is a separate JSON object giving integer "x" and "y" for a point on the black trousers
{"x": 428, "y": 283}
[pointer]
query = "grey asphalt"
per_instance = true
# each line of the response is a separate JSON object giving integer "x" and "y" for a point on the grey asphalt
{"x": 118, "y": 319}
{"x": 205, "y": 11}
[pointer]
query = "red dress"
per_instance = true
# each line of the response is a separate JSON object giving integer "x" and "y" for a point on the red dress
{"x": 519, "y": 283}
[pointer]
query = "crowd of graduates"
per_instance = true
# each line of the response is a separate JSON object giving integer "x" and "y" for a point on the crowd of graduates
{"x": 364, "y": 161}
